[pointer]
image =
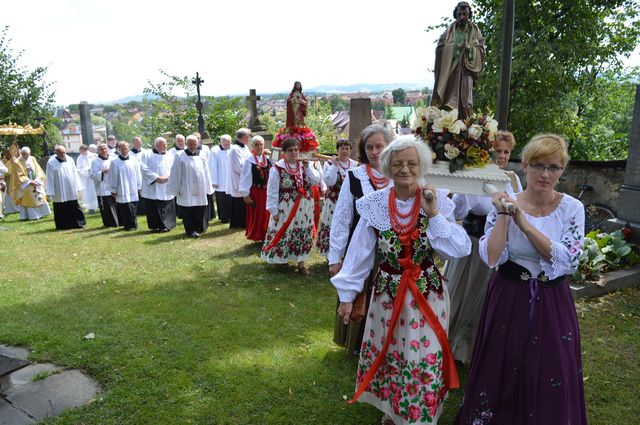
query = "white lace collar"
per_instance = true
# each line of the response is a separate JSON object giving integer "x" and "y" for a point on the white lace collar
{"x": 374, "y": 207}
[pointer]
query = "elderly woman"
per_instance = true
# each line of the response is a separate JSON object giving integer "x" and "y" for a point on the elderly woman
{"x": 334, "y": 174}
{"x": 360, "y": 181}
{"x": 290, "y": 202}
{"x": 406, "y": 366}
{"x": 526, "y": 366}
{"x": 253, "y": 187}
{"x": 467, "y": 277}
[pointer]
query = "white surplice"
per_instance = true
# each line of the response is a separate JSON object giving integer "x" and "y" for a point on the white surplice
{"x": 63, "y": 180}
{"x": 89, "y": 198}
{"x": 152, "y": 166}
{"x": 125, "y": 179}
{"x": 99, "y": 173}
{"x": 190, "y": 181}
{"x": 236, "y": 158}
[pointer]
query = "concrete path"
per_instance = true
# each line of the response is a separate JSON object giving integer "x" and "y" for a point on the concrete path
{"x": 41, "y": 390}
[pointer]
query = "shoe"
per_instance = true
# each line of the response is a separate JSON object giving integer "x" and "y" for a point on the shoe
{"x": 194, "y": 235}
{"x": 303, "y": 271}
{"x": 163, "y": 230}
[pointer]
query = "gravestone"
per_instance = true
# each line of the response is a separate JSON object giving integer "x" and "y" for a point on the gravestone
{"x": 256, "y": 127}
{"x": 360, "y": 118}
{"x": 85, "y": 124}
{"x": 629, "y": 199}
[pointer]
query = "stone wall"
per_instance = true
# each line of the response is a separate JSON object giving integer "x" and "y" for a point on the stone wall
{"x": 605, "y": 177}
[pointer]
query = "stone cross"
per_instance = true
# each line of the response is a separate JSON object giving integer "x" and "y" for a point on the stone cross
{"x": 629, "y": 198}
{"x": 253, "y": 109}
{"x": 359, "y": 118}
{"x": 86, "y": 127}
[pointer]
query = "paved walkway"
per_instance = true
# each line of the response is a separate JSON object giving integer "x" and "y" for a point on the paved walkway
{"x": 41, "y": 390}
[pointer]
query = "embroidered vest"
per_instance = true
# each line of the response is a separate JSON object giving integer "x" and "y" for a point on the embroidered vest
{"x": 389, "y": 250}
{"x": 289, "y": 188}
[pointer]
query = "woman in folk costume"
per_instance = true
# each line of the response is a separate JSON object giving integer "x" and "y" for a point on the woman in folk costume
{"x": 290, "y": 203}
{"x": 406, "y": 366}
{"x": 526, "y": 366}
{"x": 467, "y": 277}
{"x": 360, "y": 181}
{"x": 253, "y": 186}
{"x": 334, "y": 173}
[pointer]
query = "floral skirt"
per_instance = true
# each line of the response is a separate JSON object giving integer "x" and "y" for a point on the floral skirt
{"x": 519, "y": 377}
{"x": 296, "y": 243}
{"x": 322, "y": 242}
{"x": 409, "y": 385}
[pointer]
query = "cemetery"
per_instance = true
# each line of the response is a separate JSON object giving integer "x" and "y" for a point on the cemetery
{"x": 158, "y": 326}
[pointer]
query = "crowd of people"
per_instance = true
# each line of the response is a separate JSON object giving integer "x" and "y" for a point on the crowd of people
{"x": 501, "y": 303}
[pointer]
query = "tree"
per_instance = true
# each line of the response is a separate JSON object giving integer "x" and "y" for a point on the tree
{"x": 172, "y": 110}
{"x": 319, "y": 120}
{"x": 389, "y": 114}
{"x": 338, "y": 104}
{"x": 24, "y": 97}
{"x": 567, "y": 55}
{"x": 378, "y": 105}
{"x": 398, "y": 96}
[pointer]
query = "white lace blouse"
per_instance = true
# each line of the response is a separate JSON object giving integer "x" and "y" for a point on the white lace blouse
{"x": 564, "y": 227}
{"x": 330, "y": 171}
{"x": 446, "y": 237}
{"x": 343, "y": 214}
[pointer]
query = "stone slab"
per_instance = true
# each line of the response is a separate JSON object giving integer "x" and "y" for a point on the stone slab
{"x": 53, "y": 395}
{"x": 615, "y": 280}
{"x": 11, "y": 364}
{"x": 9, "y": 415}
{"x": 25, "y": 376}
{"x": 15, "y": 352}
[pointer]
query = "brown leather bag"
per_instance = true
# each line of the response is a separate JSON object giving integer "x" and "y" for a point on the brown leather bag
{"x": 359, "y": 307}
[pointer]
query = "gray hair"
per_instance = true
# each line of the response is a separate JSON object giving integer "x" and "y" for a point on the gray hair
{"x": 25, "y": 149}
{"x": 242, "y": 133}
{"x": 257, "y": 139}
{"x": 225, "y": 137}
{"x": 93, "y": 148}
{"x": 158, "y": 140}
{"x": 178, "y": 136}
{"x": 192, "y": 137}
{"x": 402, "y": 143}
{"x": 369, "y": 131}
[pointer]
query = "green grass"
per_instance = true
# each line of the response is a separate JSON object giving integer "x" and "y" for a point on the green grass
{"x": 202, "y": 331}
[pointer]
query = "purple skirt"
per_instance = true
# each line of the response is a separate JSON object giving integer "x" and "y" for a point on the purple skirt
{"x": 526, "y": 366}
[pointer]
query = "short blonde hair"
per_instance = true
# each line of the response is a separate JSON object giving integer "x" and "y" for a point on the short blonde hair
{"x": 545, "y": 145}
{"x": 505, "y": 136}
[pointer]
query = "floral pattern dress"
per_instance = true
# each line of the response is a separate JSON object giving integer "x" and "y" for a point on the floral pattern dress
{"x": 409, "y": 385}
{"x": 282, "y": 192}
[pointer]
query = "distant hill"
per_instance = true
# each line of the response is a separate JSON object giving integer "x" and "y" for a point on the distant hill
{"x": 351, "y": 88}
{"x": 368, "y": 88}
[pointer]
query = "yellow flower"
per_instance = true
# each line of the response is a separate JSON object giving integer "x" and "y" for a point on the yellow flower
{"x": 445, "y": 121}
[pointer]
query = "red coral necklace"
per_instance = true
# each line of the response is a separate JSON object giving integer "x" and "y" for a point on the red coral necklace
{"x": 378, "y": 182}
{"x": 396, "y": 215}
{"x": 262, "y": 163}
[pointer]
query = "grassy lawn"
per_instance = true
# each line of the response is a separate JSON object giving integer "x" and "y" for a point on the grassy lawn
{"x": 202, "y": 331}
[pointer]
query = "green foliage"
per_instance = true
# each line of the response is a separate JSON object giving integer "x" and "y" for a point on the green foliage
{"x": 378, "y": 105}
{"x": 398, "y": 96}
{"x": 604, "y": 252}
{"x": 24, "y": 96}
{"x": 319, "y": 120}
{"x": 389, "y": 114}
{"x": 567, "y": 75}
{"x": 174, "y": 110}
{"x": 339, "y": 104}
{"x": 404, "y": 122}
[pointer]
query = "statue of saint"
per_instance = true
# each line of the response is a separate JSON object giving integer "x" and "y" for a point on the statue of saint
{"x": 459, "y": 61}
{"x": 296, "y": 106}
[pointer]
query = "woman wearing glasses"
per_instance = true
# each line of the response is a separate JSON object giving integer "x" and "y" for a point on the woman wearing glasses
{"x": 526, "y": 366}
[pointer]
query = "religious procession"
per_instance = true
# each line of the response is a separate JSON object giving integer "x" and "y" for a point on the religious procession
{"x": 438, "y": 255}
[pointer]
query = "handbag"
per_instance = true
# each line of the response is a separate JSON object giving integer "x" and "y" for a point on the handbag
{"x": 359, "y": 308}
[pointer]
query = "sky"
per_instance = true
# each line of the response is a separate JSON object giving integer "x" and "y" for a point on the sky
{"x": 106, "y": 50}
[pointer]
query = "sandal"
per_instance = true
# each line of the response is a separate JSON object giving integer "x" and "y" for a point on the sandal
{"x": 303, "y": 271}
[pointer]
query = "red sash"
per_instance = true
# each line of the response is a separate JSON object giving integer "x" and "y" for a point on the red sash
{"x": 301, "y": 193}
{"x": 410, "y": 275}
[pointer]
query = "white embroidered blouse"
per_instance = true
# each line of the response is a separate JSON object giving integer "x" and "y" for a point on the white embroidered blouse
{"x": 564, "y": 227}
{"x": 343, "y": 214}
{"x": 446, "y": 237}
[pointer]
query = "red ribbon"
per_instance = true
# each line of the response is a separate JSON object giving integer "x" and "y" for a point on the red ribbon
{"x": 301, "y": 193}
{"x": 410, "y": 275}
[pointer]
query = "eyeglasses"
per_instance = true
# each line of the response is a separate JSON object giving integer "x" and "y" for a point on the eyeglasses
{"x": 400, "y": 165}
{"x": 540, "y": 168}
